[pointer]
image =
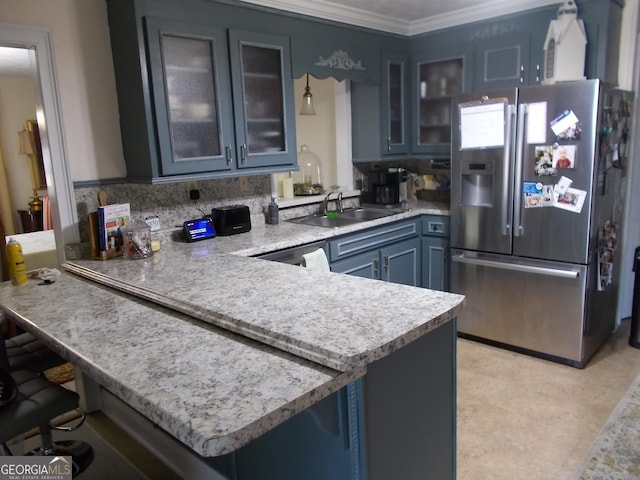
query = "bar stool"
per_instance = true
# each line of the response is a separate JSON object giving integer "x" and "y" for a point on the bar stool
{"x": 26, "y": 352}
{"x": 37, "y": 403}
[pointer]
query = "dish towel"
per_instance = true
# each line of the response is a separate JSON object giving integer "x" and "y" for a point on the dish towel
{"x": 316, "y": 261}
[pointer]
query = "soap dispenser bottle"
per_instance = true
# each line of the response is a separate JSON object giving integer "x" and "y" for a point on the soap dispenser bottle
{"x": 273, "y": 212}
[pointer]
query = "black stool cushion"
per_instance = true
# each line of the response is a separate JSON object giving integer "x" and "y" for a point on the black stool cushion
{"x": 26, "y": 352}
{"x": 37, "y": 403}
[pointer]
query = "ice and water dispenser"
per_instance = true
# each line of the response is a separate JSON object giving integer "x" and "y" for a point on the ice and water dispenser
{"x": 477, "y": 182}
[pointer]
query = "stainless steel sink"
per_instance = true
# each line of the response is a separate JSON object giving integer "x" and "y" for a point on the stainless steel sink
{"x": 341, "y": 219}
{"x": 365, "y": 214}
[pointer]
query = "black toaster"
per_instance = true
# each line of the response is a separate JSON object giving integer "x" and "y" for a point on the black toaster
{"x": 231, "y": 219}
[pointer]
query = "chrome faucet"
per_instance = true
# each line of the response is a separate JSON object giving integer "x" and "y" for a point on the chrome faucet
{"x": 325, "y": 203}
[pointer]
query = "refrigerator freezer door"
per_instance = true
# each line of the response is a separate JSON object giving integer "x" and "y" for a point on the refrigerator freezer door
{"x": 541, "y": 229}
{"x": 481, "y": 181}
{"x": 533, "y": 305}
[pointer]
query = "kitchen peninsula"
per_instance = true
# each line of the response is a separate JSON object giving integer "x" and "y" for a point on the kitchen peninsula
{"x": 221, "y": 351}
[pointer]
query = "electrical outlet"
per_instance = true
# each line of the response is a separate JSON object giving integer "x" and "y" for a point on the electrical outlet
{"x": 193, "y": 193}
{"x": 244, "y": 184}
{"x": 191, "y": 186}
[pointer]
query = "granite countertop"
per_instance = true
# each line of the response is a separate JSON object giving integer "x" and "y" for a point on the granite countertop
{"x": 268, "y": 238}
{"x": 325, "y": 317}
{"x": 212, "y": 390}
{"x": 216, "y": 389}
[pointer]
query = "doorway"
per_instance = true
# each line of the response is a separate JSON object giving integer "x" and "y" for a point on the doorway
{"x": 48, "y": 115}
{"x": 17, "y": 141}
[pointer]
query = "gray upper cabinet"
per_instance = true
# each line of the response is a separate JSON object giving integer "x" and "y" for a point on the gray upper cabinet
{"x": 197, "y": 99}
{"x": 380, "y": 112}
{"x": 199, "y": 74}
{"x": 505, "y": 62}
{"x": 395, "y": 111}
{"x": 509, "y": 51}
{"x": 263, "y": 99}
{"x": 437, "y": 76}
{"x": 191, "y": 97}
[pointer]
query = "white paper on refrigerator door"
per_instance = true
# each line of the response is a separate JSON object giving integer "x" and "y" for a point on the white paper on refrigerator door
{"x": 537, "y": 122}
{"x": 482, "y": 124}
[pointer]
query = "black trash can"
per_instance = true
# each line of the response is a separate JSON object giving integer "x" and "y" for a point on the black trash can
{"x": 634, "y": 336}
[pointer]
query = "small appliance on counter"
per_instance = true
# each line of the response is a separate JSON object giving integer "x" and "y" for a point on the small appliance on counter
{"x": 384, "y": 188}
{"x": 231, "y": 219}
{"x": 198, "y": 229}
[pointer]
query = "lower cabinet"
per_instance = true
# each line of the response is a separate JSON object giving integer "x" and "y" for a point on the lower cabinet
{"x": 397, "y": 263}
{"x": 435, "y": 265}
{"x": 390, "y": 253}
{"x": 435, "y": 252}
{"x": 411, "y": 252}
{"x": 319, "y": 443}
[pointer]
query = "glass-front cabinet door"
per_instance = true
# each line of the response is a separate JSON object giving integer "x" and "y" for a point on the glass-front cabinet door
{"x": 395, "y": 135}
{"x": 189, "y": 71}
{"x": 436, "y": 78}
{"x": 437, "y": 83}
{"x": 263, "y": 97}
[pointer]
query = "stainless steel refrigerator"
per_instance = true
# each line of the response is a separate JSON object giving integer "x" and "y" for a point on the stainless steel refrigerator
{"x": 535, "y": 216}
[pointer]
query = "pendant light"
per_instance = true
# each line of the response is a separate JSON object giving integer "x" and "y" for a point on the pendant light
{"x": 307, "y": 101}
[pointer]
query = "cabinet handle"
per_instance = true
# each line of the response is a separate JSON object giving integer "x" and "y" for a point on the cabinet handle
{"x": 388, "y": 144}
{"x": 243, "y": 153}
{"x": 229, "y": 155}
{"x": 537, "y": 73}
{"x": 376, "y": 266}
{"x": 386, "y": 263}
{"x": 521, "y": 73}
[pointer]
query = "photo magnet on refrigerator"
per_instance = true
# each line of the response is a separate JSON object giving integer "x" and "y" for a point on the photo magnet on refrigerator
{"x": 567, "y": 120}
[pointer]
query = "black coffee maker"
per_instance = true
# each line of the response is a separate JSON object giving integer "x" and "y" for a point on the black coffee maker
{"x": 384, "y": 188}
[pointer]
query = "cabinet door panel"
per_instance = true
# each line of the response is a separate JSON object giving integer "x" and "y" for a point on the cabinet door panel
{"x": 319, "y": 443}
{"x": 189, "y": 72}
{"x": 394, "y": 111}
{"x": 436, "y": 77}
{"x": 502, "y": 62}
{"x": 366, "y": 265}
{"x": 263, "y": 98}
{"x": 401, "y": 263}
{"x": 435, "y": 265}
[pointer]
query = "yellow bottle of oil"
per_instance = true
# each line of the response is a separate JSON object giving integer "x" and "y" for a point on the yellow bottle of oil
{"x": 17, "y": 270}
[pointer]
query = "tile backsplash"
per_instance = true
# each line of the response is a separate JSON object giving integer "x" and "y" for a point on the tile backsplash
{"x": 171, "y": 201}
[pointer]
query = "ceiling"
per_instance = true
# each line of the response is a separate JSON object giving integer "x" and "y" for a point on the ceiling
{"x": 405, "y": 17}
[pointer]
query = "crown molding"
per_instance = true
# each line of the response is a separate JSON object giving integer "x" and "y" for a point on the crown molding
{"x": 353, "y": 16}
{"x": 484, "y": 11}
{"x": 337, "y": 13}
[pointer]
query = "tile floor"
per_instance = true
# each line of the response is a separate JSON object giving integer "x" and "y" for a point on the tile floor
{"x": 519, "y": 418}
{"x": 529, "y": 419}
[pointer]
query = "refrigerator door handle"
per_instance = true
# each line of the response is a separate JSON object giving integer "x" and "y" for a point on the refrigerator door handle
{"x": 517, "y": 194}
{"x": 553, "y": 272}
{"x": 504, "y": 213}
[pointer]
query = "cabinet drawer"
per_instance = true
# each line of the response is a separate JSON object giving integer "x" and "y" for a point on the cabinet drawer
{"x": 370, "y": 239}
{"x": 435, "y": 225}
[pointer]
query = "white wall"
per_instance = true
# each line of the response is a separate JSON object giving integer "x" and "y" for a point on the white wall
{"x": 318, "y": 131}
{"x": 86, "y": 83}
{"x": 17, "y": 104}
{"x": 628, "y": 45}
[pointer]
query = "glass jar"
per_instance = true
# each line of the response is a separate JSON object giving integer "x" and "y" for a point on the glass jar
{"x": 136, "y": 238}
{"x": 307, "y": 180}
